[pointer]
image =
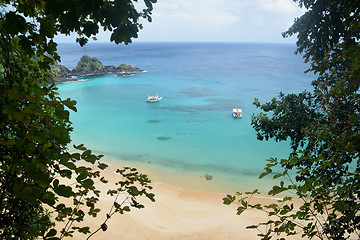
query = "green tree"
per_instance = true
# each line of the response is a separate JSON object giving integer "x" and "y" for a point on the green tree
{"x": 323, "y": 127}
{"x": 35, "y": 126}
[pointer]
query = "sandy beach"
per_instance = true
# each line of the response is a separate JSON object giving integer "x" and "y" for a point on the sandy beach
{"x": 177, "y": 213}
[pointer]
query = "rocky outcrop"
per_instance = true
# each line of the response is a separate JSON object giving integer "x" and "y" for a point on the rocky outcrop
{"x": 88, "y": 65}
{"x": 61, "y": 72}
{"x": 91, "y": 66}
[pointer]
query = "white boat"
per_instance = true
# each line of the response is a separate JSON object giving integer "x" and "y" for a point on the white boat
{"x": 237, "y": 113}
{"x": 154, "y": 98}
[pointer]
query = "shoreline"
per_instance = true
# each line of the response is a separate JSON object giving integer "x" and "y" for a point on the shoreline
{"x": 83, "y": 77}
{"x": 196, "y": 181}
{"x": 177, "y": 213}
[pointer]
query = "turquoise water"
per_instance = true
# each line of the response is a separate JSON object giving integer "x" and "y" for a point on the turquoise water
{"x": 191, "y": 129}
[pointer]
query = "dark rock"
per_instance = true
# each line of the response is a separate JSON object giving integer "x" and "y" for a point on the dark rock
{"x": 61, "y": 72}
{"x": 126, "y": 68}
{"x": 91, "y": 66}
{"x": 124, "y": 74}
{"x": 208, "y": 177}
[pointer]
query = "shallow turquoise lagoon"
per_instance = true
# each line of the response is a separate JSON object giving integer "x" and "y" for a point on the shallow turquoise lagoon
{"x": 191, "y": 130}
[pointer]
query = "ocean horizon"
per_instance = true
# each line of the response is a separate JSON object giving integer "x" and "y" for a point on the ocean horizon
{"x": 191, "y": 130}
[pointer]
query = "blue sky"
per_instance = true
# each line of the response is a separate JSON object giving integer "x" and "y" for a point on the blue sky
{"x": 216, "y": 21}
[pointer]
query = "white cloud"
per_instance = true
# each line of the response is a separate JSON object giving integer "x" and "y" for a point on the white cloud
{"x": 218, "y": 20}
{"x": 214, "y": 13}
{"x": 285, "y": 7}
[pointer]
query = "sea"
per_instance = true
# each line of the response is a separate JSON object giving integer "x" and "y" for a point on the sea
{"x": 191, "y": 130}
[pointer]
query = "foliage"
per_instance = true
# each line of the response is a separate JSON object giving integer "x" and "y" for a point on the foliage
{"x": 129, "y": 185}
{"x": 35, "y": 126}
{"x": 323, "y": 127}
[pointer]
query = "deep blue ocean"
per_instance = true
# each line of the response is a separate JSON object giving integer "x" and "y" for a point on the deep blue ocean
{"x": 191, "y": 130}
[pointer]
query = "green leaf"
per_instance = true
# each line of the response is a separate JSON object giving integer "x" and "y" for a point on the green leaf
{"x": 70, "y": 104}
{"x": 51, "y": 233}
{"x": 82, "y": 176}
{"x": 263, "y": 175}
{"x": 56, "y": 183}
{"x": 151, "y": 196}
{"x": 88, "y": 183}
{"x": 80, "y": 147}
{"x": 229, "y": 199}
{"x": 76, "y": 156}
{"x": 276, "y": 190}
{"x": 273, "y": 206}
{"x": 244, "y": 203}
{"x": 133, "y": 191}
{"x": 60, "y": 134}
{"x": 85, "y": 154}
{"x": 102, "y": 166}
{"x": 64, "y": 191}
{"x": 252, "y": 227}
{"x": 48, "y": 198}
{"x": 253, "y": 192}
{"x": 64, "y": 158}
{"x": 66, "y": 173}
{"x": 14, "y": 24}
{"x": 257, "y": 206}
{"x": 240, "y": 210}
{"x": 103, "y": 180}
{"x": 285, "y": 199}
{"x": 148, "y": 4}
{"x": 42, "y": 177}
{"x": 19, "y": 116}
{"x": 278, "y": 175}
{"x": 84, "y": 230}
{"x": 91, "y": 159}
{"x": 24, "y": 192}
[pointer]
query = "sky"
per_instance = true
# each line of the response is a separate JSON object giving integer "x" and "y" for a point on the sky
{"x": 215, "y": 21}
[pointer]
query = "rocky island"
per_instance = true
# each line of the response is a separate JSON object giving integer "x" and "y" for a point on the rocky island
{"x": 91, "y": 66}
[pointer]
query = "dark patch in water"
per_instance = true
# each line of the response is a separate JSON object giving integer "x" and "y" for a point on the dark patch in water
{"x": 215, "y": 104}
{"x": 211, "y": 169}
{"x": 141, "y": 155}
{"x": 190, "y": 108}
{"x": 154, "y": 121}
{"x": 224, "y": 103}
{"x": 163, "y": 138}
{"x": 194, "y": 92}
